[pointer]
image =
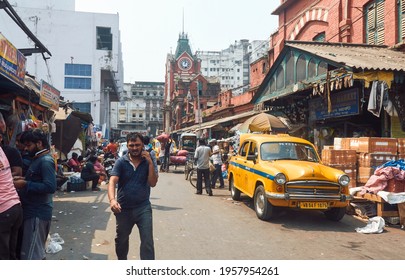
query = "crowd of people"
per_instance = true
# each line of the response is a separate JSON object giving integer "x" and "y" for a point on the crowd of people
{"x": 27, "y": 184}
{"x": 29, "y": 178}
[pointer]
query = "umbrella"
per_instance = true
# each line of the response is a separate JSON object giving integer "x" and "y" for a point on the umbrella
{"x": 263, "y": 123}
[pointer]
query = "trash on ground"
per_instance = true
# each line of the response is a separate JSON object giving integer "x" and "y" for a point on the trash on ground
{"x": 374, "y": 225}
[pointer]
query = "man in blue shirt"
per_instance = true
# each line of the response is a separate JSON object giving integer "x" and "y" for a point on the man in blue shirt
{"x": 135, "y": 174}
{"x": 36, "y": 194}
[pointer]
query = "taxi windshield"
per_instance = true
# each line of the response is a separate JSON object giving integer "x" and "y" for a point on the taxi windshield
{"x": 287, "y": 151}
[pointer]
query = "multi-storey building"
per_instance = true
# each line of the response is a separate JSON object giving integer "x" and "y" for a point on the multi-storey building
{"x": 231, "y": 65}
{"x": 140, "y": 110}
{"x": 86, "y": 63}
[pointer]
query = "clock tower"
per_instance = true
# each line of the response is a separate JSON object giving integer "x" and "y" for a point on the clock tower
{"x": 182, "y": 69}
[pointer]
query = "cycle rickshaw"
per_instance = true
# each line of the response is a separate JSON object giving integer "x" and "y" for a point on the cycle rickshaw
{"x": 188, "y": 142}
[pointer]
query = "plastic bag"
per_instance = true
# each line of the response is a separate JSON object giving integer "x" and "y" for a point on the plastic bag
{"x": 374, "y": 225}
{"x": 53, "y": 247}
{"x": 56, "y": 238}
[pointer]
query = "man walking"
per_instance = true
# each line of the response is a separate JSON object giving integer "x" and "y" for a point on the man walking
{"x": 36, "y": 194}
{"x": 135, "y": 175}
{"x": 202, "y": 157}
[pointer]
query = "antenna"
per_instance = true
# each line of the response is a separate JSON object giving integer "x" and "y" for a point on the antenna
{"x": 183, "y": 20}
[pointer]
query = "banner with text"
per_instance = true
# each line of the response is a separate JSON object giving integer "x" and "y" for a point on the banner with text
{"x": 49, "y": 96}
{"x": 12, "y": 62}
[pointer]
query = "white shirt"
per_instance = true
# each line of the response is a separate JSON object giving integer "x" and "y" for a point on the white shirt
{"x": 216, "y": 157}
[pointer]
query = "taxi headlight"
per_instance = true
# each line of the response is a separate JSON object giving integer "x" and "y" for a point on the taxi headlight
{"x": 280, "y": 179}
{"x": 344, "y": 180}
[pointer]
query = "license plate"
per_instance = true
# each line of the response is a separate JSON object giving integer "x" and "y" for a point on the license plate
{"x": 314, "y": 205}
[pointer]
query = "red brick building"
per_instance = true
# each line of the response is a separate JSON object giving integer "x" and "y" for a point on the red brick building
{"x": 185, "y": 88}
{"x": 355, "y": 38}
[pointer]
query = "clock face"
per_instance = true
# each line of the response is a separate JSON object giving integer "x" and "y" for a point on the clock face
{"x": 185, "y": 63}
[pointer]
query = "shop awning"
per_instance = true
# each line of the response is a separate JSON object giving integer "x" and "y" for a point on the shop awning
{"x": 213, "y": 123}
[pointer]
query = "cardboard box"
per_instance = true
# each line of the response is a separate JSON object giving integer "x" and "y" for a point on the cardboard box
{"x": 354, "y": 144}
{"x": 341, "y": 143}
{"x": 395, "y": 186}
{"x": 374, "y": 160}
{"x": 339, "y": 157}
{"x": 401, "y": 145}
{"x": 364, "y": 173}
{"x": 377, "y": 145}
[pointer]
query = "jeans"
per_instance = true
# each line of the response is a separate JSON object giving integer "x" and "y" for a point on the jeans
{"x": 206, "y": 174}
{"x": 217, "y": 174}
{"x": 142, "y": 217}
{"x": 10, "y": 222}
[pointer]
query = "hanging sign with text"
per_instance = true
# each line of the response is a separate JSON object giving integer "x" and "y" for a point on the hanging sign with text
{"x": 49, "y": 96}
{"x": 344, "y": 103}
{"x": 12, "y": 62}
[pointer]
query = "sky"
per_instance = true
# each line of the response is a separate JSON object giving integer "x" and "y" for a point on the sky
{"x": 150, "y": 29}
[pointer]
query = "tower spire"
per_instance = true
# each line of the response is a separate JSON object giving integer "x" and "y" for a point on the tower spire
{"x": 183, "y": 20}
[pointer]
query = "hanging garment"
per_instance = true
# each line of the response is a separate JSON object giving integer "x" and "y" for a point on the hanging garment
{"x": 387, "y": 103}
{"x": 376, "y": 99}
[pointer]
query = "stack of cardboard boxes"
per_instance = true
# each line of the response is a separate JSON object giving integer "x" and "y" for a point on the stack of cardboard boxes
{"x": 359, "y": 157}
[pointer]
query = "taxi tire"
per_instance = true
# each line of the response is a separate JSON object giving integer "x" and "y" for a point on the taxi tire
{"x": 335, "y": 214}
{"x": 235, "y": 193}
{"x": 263, "y": 208}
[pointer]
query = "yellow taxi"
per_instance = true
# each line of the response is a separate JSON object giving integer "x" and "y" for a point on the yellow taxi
{"x": 284, "y": 171}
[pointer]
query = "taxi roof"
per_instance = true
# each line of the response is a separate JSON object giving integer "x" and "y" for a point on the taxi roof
{"x": 272, "y": 138}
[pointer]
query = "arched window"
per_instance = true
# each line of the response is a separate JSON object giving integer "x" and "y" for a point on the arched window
{"x": 280, "y": 77}
{"x": 311, "y": 69}
{"x": 289, "y": 69}
{"x": 322, "y": 68}
{"x": 301, "y": 68}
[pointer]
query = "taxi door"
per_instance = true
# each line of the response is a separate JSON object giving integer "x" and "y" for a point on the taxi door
{"x": 240, "y": 160}
{"x": 250, "y": 169}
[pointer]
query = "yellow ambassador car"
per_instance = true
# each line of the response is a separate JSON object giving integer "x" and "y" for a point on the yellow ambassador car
{"x": 284, "y": 171}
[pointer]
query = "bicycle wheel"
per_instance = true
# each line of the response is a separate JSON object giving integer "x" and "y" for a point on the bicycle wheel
{"x": 192, "y": 177}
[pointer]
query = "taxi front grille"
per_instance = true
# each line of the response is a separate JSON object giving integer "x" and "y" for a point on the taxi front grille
{"x": 312, "y": 188}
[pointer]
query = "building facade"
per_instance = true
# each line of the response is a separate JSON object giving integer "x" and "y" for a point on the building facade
{"x": 86, "y": 63}
{"x": 140, "y": 109}
{"x": 374, "y": 22}
{"x": 231, "y": 65}
{"x": 323, "y": 60}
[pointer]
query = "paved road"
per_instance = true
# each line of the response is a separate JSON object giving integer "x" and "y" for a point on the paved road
{"x": 192, "y": 227}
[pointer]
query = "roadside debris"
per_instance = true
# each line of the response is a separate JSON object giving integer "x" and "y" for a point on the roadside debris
{"x": 374, "y": 225}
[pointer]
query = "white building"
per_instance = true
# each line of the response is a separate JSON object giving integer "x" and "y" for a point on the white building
{"x": 141, "y": 109}
{"x": 232, "y": 65}
{"x": 86, "y": 63}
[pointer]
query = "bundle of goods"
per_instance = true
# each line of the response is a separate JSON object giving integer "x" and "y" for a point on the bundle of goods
{"x": 180, "y": 160}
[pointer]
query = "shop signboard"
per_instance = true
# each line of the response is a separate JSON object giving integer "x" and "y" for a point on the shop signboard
{"x": 344, "y": 103}
{"x": 49, "y": 96}
{"x": 124, "y": 133}
{"x": 12, "y": 62}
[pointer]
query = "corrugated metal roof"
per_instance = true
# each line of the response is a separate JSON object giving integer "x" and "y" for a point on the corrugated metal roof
{"x": 357, "y": 56}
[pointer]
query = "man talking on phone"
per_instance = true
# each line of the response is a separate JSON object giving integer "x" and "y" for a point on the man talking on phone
{"x": 135, "y": 175}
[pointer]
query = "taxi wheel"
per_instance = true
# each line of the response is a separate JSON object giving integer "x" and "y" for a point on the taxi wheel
{"x": 264, "y": 210}
{"x": 235, "y": 193}
{"x": 335, "y": 214}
